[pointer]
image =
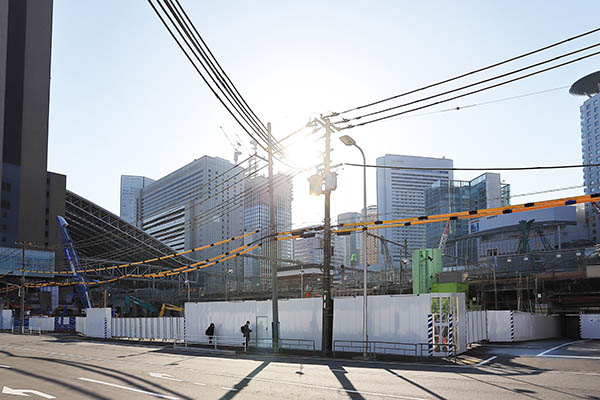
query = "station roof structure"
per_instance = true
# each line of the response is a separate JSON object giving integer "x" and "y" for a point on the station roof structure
{"x": 589, "y": 85}
{"x": 101, "y": 237}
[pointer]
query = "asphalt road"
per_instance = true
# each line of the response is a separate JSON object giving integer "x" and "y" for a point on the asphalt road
{"x": 63, "y": 367}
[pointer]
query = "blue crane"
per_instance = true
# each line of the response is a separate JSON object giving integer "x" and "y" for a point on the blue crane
{"x": 71, "y": 254}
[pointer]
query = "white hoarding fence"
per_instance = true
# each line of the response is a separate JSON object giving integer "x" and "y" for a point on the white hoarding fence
{"x": 98, "y": 322}
{"x": 589, "y": 326}
{"x": 510, "y": 326}
{"x": 80, "y": 325}
{"x": 6, "y": 316}
{"x": 160, "y": 328}
{"x": 476, "y": 326}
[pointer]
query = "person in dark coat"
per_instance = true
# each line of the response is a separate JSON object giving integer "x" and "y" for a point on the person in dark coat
{"x": 246, "y": 332}
{"x": 210, "y": 332}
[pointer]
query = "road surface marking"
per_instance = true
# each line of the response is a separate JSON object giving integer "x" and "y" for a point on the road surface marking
{"x": 543, "y": 353}
{"x": 164, "y": 376}
{"x": 23, "y": 392}
{"x": 199, "y": 384}
{"x": 338, "y": 370}
{"x": 129, "y": 388}
{"x": 226, "y": 388}
{"x": 486, "y": 361}
{"x": 576, "y": 357}
{"x": 5, "y": 366}
{"x": 291, "y": 383}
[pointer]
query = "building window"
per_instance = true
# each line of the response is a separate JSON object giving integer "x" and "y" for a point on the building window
{"x": 5, "y": 186}
{"x": 5, "y": 204}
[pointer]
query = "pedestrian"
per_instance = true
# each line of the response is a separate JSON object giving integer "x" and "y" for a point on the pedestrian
{"x": 246, "y": 332}
{"x": 210, "y": 332}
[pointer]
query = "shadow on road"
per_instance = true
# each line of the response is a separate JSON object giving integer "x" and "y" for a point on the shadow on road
{"x": 132, "y": 380}
{"x": 238, "y": 387}
{"x": 340, "y": 374}
{"x": 437, "y": 396}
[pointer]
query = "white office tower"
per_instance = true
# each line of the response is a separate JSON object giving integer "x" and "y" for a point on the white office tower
{"x": 257, "y": 269}
{"x": 401, "y": 194}
{"x": 130, "y": 190}
{"x": 198, "y": 204}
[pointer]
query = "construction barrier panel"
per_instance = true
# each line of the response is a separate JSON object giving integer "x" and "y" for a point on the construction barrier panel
{"x": 43, "y": 324}
{"x": 476, "y": 326}
{"x": 513, "y": 326}
{"x": 399, "y": 318}
{"x": 6, "y": 321}
{"x": 160, "y": 328}
{"x": 589, "y": 326}
{"x": 80, "y": 325}
{"x": 98, "y": 322}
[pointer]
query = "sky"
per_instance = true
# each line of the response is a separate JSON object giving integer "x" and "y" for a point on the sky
{"x": 125, "y": 100}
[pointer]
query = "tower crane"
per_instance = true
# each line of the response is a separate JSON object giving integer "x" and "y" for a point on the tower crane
{"x": 236, "y": 146}
{"x": 444, "y": 237}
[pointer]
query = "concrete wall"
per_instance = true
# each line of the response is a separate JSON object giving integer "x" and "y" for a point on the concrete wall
{"x": 589, "y": 326}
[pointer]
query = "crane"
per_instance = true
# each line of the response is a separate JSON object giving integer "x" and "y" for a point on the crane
{"x": 130, "y": 299}
{"x": 170, "y": 307}
{"x": 236, "y": 146}
{"x": 71, "y": 255}
{"x": 444, "y": 237}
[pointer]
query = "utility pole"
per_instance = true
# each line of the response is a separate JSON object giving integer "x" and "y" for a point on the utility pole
{"x": 273, "y": 246}
{"x": 22, "y": 288}
{"x": 327, "y": 334}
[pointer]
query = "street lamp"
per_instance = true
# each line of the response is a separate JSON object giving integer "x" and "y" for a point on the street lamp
{"x": 348, "y": 141}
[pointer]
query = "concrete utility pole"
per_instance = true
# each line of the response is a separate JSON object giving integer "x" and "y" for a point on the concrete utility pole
{"x": 273, "y": 246}
{"x": 327, "y": 334}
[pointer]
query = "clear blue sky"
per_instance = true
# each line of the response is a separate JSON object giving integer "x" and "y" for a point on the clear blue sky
{"x": 124, "y": 99}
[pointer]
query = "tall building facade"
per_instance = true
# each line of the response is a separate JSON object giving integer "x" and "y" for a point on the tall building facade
{"x": 198, "y": 204}
{"x": 373, "y": 243}
{"x": 31, "y": 197}
{"x": 590, "y": 150}
{"x": 257, "y": 271}
{"x": 310, "y": 250}
{"x": 401, "y": 194}
{"x": 443, "y": 197}
{"x": 130, "y": 193}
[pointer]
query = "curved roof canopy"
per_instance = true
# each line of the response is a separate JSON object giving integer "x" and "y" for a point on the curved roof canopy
{"x": 589, "y": 85}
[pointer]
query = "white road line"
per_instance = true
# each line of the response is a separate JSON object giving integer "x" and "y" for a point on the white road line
{"x": 575, "y": 357}
{"x": 199, "y": 384}
{"x": 5, "y": 366}
{"x": 129, "y": 388}
{"x": 557, "y": 347}
{"x": 226, "y": 388}
{"x": 164, "y": 376}
{"x": 486, "y": 361}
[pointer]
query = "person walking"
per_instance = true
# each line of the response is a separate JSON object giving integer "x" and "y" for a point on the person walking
{"x": 210, "y": 332}
{"x": 246, "y": 332}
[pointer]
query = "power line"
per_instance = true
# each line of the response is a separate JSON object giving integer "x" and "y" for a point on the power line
{"x": 470, "y": 73}
{"x": 479, "y": 83}
{"x": 475, "y": 168}
{"x": 166, "y": 25}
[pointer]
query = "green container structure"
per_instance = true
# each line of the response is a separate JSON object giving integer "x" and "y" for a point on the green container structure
{"x": 426, "y": 266}
{"x": 450, "y": 287}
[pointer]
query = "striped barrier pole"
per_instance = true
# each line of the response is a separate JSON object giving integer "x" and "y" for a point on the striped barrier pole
{"x": 512, "y": 326}
{"x": 430, "y": 334}
{"x": 451, "y": 333}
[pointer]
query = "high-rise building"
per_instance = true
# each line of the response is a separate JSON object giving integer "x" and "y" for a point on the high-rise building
{"x": 130, "y": 193}
{"x": 198, "y": 204}
{"x": 352, "y": 242}
{"x": 401, "y": 194}
{"x": 443, "y": 197}
{"x": 257, "y": 271}
{"x": 372, "y": 241}
{"x": 31, "y": 197}
{"x": 589, "y": 116}
{"x": 310, "y": 250}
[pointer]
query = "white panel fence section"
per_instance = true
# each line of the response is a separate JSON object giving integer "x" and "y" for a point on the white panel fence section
{"x": 589, "y": 326}
{"x": 6, "y": 322}
{"x": 80, "y": 325}
{"x": 41, "y": 324}
{"x": 98, "y": 322}
{"x": 515, "y": 326}
{"x": 476, "y": 326}
{"x": 162, "y": 328}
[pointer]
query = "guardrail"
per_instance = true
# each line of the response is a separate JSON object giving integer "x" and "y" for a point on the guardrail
{"x": 216, "y": 341}
{"x": 298, "y": 344}
{"x": 372, "y": 348}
